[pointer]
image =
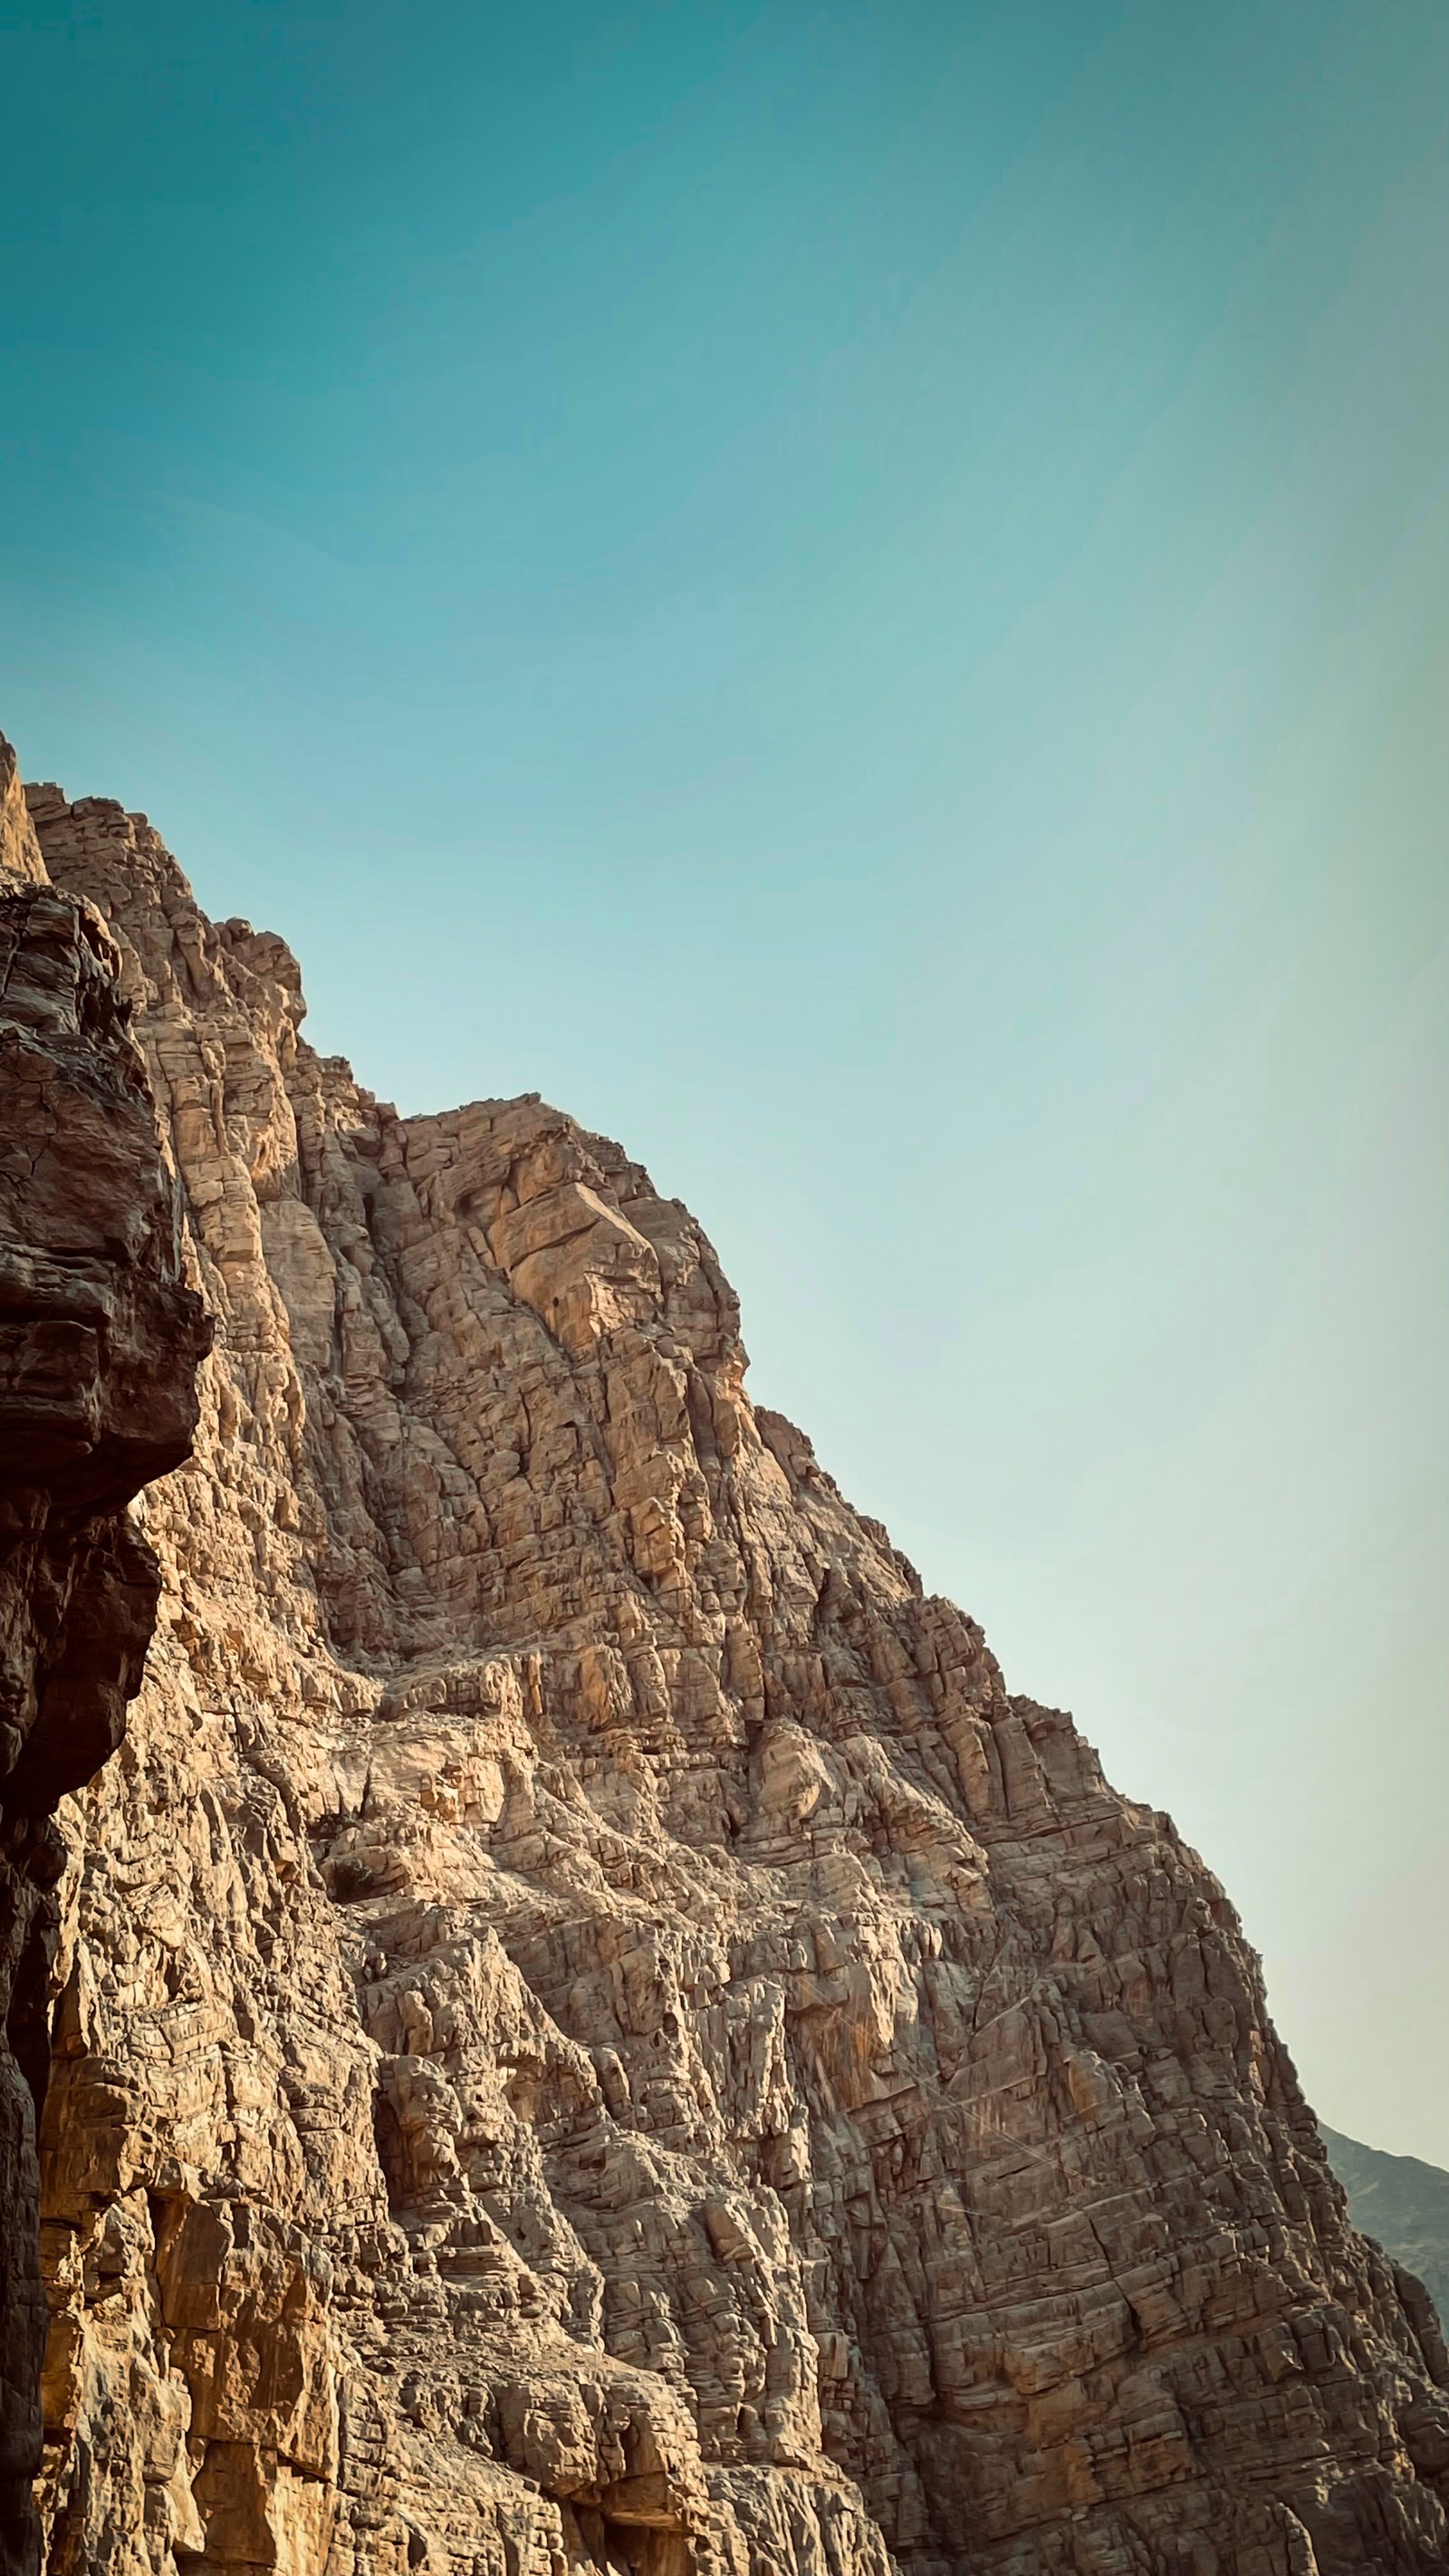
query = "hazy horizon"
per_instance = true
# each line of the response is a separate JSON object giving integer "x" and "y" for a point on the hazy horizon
{"x": 859, "y": 599}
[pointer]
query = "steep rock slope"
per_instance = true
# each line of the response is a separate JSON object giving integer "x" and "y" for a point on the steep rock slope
{"x": 99, "y": 1342}
{"x": 1400, "y": 2201}
{"x": 592, "y": 2030}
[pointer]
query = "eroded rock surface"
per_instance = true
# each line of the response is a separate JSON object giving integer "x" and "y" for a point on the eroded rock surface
{"x": 99, "y": 1341}
{"x": 593, "y": 2032}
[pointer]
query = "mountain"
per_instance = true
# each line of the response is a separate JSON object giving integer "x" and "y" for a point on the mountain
{"x": 1401, "y": 2202}
{"x": 590, "y": 2029}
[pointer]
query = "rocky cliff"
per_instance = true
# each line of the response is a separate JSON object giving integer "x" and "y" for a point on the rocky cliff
{"x": 99, "y": 1342}
{"x": 590, "y": 2030}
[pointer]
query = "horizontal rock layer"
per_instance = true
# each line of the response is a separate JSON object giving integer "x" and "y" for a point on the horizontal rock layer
{"x": 592, "y": 2031}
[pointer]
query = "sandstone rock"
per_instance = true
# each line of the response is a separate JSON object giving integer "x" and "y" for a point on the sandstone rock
{"x": 592, "y": 2031}
{"x": 98, "y": 1347}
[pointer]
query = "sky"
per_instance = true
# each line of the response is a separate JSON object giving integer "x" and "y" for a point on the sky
{"x": 859, "y": 595}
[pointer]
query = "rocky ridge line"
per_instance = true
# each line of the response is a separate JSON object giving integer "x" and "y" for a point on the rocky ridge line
{"x": 592, "y": 2031}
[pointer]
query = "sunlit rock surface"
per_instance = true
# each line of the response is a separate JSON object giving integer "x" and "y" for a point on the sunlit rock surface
{"x": 591, "y": 2029}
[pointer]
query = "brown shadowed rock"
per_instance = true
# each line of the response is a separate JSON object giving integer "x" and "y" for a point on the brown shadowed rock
{"x": 592, "y": 2031}
{"x": 99, "y": 1342}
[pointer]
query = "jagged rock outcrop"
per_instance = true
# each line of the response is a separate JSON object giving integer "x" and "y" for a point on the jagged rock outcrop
{"x": 592, "y": 2031}
{"x": 99, "y": 1342}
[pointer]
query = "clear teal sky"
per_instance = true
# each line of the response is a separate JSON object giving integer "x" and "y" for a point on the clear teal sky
{"x": 858, "y": 594}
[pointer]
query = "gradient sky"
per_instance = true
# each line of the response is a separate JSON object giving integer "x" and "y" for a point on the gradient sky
{"x": 860, "y": 595}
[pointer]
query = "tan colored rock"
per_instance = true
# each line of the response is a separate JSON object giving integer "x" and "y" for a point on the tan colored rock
{"x": 19, "y": 848}
{"x": 593, "y": 2032}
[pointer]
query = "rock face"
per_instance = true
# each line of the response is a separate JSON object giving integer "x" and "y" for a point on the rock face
{"x": 99, "y": 1342}
{"x": 1403, "y": 2203}
{"x": 591, "y": 2030}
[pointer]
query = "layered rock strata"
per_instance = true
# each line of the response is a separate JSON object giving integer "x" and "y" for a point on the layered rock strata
{"x": 99, "y": 1341}
{"x": 591, "y": 2030}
